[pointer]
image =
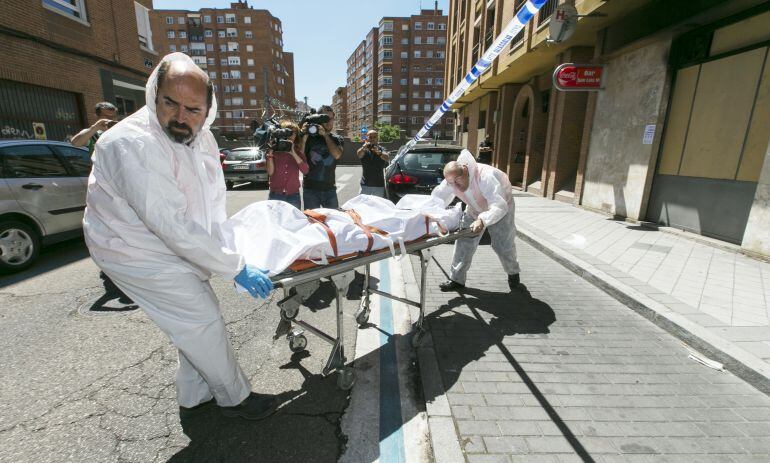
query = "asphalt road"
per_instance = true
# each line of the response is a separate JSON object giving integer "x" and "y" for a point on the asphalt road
{"x": 84, "y": 385}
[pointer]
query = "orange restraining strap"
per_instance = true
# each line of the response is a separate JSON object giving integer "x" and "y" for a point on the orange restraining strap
{"x": 315, "y": 217}
{"x": 368, "y": 229}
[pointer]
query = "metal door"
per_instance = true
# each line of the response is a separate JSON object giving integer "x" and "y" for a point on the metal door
{"x": 43, "y": 187}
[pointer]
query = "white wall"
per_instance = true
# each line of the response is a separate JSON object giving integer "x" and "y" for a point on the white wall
{"x": 618, "y": 164}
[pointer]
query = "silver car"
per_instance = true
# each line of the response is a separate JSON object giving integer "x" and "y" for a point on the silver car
{"x": 245, "y": 164}
{"x": 42, "y": 197}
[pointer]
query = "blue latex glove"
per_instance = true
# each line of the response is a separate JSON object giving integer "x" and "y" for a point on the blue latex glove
{"x": 256, "y": 281}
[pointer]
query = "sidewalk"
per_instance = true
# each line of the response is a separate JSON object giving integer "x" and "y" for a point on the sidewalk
{"x": 713, "y": 298}
{"x": 561, "y": 371}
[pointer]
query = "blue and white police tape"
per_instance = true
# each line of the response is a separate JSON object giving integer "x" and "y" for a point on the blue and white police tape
{"x": 522, "y": 17}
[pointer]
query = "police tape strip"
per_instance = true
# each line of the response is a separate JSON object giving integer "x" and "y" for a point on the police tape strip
{"x": 522, "y": 17}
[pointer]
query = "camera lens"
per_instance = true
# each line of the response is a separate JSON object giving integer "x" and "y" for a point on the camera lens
{"x": 312, "y": 130}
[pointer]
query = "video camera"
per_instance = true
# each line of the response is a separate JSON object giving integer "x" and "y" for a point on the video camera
{"x": 313, "y": 120}
{"x": 271, "y": 136}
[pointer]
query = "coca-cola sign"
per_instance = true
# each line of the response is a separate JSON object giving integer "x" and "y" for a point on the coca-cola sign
{"x": 576, "y": 77}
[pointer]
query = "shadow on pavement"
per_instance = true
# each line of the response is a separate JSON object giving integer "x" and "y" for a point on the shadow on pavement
{"x": 51, "y": 257}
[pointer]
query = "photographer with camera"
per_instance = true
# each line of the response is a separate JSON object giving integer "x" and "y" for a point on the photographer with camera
{"x": 285, "y": 161}
{"x": 322, "y": 150}
{"x": 374, "y": 159}
{"x": 107, "y": 116}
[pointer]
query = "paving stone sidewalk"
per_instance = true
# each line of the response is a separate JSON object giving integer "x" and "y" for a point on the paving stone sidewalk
{"x": 713, "y": 294}
{"x": 560, "y": 371}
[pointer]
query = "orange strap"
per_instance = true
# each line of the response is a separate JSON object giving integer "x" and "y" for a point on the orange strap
{"x": 315, "y": 217}
{"x": 368, "y": 229}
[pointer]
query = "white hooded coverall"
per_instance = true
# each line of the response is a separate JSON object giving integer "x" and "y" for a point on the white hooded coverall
{"x": 489, "y": 198}
{"x": 152, "y": 223}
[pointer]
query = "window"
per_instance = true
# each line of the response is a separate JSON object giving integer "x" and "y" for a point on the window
{"x": 247, "y": 20}
{"x": 210, "y": 61}
{"x": 143, "y": 26}
{"x": 212, "y": 75}
{"x": 387, "y": 40}
{"x": 404, "y": 55}
{"x": 429, "y": 54}
{"x": 441, "y": 40}
{"x": 387, "y": 26}
{"x": 252, "y": 75}
{"x": 415, "y": 119}
{"x": 172, "y": 47}
{"x": 442, "y": 27}
{"x": 182, "y": 34}
{"x": 252, "y": 89}
{"x": 417, "y": 40}
{"x": 249, "y": 35}
{"x": 169, "y": 20}
{"x": 404, "y": 41}
{"x": 437, "y": 94}
{"x": 403, "y": 95}
{"x": 249, "y": 48}
{"x": 402, "y": 120}
{"x": 230, "y": 18}
{"x": 387, "y": 69}
{"x": 232, "y": 46}
{"x": 416, "y": 81}
{"x": 415, "y": 107}
{"x": 250, "y": 62}
{"x": 439, "y": 81}
{"x": 431, "y": 26}
{"x": 427, "y": 94}
{"x": 183, "y": 48}
{"x": 209, "y": 47}
{"x": 415, "y": 94}
{"x": 225, "y": 75}
{"x": 238, "y": 101}
{"x": 235, "y": 74}
{"x": 220, "y": 19}
{"x": 440, "y": 54}
{"x": 403, "y": 68}
{"x": 223, "y": 62}
{"x": 426, "y": 107}
{"x": 228, "y": 102}
{"x": 402, "y": 108}
{"x": 207, "y": 19}
{"x": 253, "y": 102}
{"x": 208, "y": 33}
{"x": 221, "y": 34}
{"x": 418, "y": 26}
{"x": 232, "y": 32}
{"x": 170, "y": 34}
{"x": 32, "y": 161}
{"x": 387, "y": 81}
{"x": 429, "y": 81}
{"x": 222, "y": 48}
{"x": 429, "y": 40}
{"x": 417, "y": 54}
{"x": 402, "y": 81}
{"x": 405, "y": 27}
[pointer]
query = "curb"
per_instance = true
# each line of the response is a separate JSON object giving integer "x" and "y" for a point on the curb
{"x": 741, "y": 363}
{"x": 445, "y": 441}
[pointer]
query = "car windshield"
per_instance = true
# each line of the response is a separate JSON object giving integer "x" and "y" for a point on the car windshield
{"x": 251, "y": 154}
{"x": 428, "y": 160}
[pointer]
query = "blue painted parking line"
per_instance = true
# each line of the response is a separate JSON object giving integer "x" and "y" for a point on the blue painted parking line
{"x": 391, "y": 421}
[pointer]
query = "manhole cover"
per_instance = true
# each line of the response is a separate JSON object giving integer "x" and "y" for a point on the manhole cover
{"x": 105, "y": 304}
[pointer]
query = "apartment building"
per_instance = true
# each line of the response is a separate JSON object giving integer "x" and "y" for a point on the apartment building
{"x": 340, "y": 106}
{"x": 652, "y": 144}
{"x": 60, "y": 58}
{"x": 241, "y": 48}
{"x": 396, "y": 75}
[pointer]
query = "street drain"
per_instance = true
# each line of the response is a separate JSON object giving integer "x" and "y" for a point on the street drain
{"x": 105, "y": 304}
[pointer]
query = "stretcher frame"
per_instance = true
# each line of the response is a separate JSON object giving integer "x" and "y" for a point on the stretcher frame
{"x": 298, "y": 286}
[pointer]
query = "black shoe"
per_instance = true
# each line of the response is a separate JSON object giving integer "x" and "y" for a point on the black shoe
{"x": 254, "y": 407}
{"x": 450, "y": 285}
{"x": 513, "y": 281}
{"x": 187, "y": 412}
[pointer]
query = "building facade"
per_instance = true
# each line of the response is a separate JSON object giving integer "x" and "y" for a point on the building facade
{"x": 242, "y": 51}
{"x": 59, "y": 60}
{"x": 396, "y": 75}
{"x": 677, "y": 136}
{"x": 340, "y": 106}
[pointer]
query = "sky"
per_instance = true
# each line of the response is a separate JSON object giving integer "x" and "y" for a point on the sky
{"x": 322, "y": 34}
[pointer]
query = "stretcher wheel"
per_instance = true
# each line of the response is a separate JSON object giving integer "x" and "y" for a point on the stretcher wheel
{"x": 297, "y": 343}
{"x": 346, "y": 378}
{"x": 362, "y": 315}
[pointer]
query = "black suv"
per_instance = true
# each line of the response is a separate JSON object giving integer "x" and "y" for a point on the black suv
{"x": 420, "y": 169}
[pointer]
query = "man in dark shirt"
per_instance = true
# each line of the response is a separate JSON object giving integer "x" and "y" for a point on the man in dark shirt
{"x": 485, "y": 151}
{"x": 374, "y": 159}
{"x": 322, "y": 151}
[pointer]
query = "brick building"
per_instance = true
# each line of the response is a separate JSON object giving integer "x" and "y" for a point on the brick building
{"x": 652, "y": 144}
{"x": 242, "y": 50}
{"x": 59, "y": 60}
{"x": 340, "y": 106}
{"x": 396, "y": 75}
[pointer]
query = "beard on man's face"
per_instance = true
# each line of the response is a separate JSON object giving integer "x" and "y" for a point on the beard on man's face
{"x": 179, "y": 132}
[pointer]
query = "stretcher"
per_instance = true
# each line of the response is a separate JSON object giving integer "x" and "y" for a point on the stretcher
{"x": 298, "y": 285}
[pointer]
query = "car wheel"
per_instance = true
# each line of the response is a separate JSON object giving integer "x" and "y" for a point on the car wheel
{"x": 19, "y": 246}
{"x": 229, "y": 185}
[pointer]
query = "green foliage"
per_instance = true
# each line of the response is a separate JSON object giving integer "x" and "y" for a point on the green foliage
{"x": 357, "y": 138}
{"x": 387, "y": 132}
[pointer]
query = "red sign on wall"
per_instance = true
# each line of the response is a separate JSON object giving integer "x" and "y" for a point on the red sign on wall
{"x": 576, "y": 77}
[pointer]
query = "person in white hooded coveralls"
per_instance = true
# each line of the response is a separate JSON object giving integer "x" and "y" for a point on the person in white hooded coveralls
{"x": 488, "y": 198}
{"x": 156, "y": 200}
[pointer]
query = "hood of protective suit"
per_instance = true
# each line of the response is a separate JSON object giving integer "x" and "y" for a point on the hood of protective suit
{"x": 466, "y": 159}
{"x": 151, "y": 89}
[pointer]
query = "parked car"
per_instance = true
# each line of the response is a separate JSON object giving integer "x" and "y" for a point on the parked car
{"x": 42, "y": 197}
{"x": 419, "y": 170}
{"x": 223, "y": 155}
{"x": 245, "y": 165}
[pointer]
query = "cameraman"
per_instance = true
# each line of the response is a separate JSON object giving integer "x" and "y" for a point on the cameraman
{"x": 322, "y": 150}
{"x": 284, "y": 168}
{"x": 107, "y": 116}
{"x": 374, "y": 159}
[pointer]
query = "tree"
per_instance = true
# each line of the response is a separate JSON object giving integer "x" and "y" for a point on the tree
{"x": 357, "y": 138}
{"x": 387, "y": 132}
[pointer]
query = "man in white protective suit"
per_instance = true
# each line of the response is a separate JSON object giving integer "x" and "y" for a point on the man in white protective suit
{"x": 156, "y": 200}
{"x": 488, "y": 199}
